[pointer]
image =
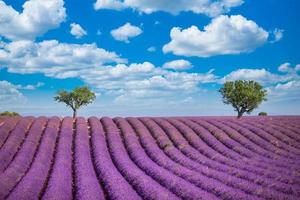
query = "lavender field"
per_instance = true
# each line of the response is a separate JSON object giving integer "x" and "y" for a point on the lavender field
{"x": 150, "y": 158}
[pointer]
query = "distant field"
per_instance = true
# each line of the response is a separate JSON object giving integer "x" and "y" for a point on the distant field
{"x": 150, "y": 158}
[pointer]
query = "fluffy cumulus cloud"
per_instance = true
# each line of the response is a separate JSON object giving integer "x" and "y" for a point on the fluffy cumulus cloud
{"x": 290, "y": 88}
{"x": 77, "y": 30}
{"x": 288, "y": 68}
{"x": 280, "y": 86}
{"x": 37, "y": 17}
{"x": 9, "y": 93}
{"x": 104, "y": 71}
{"x": 144, "y": 80}
{"x": 125, "y": 32}
{"x": 224, "y": 35}
{"x": 109, "y": 4}
{"x": 260, "y": 75}
{"x": 52, "y": 58}
{"x": 207, "y": 7}
{"x": 109, "y": 75}
{"x": 178, "y": 65}
{"x": 285, "y": 91}
{"x": 295, "y": 85}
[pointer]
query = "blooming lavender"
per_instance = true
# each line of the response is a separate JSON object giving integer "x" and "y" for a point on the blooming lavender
{"x": 150, "y": 158}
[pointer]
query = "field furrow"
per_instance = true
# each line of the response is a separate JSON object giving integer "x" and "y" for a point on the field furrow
{"x": 32, "y": 184}
{"x": 150, "y": 158}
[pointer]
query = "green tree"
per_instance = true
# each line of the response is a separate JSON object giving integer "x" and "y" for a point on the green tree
{"x": 262, "y": 114}
{"x": 9, "y": 114}
{"x": 243, "y": 95}
{"x": 80, "y": 96}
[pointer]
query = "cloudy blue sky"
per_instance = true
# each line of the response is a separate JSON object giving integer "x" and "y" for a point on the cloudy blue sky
{"x": 147, "y": 57}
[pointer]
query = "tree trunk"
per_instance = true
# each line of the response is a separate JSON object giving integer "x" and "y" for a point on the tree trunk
{"x": 74, "y": 114}
{"x": 240, "y": 114}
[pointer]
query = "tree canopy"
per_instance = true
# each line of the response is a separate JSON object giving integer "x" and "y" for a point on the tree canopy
{"x": 243, "y": 95}
{"x": 9, "y": 114}
{"x": 77, "y": 98}
{"x": 262, "y": 114}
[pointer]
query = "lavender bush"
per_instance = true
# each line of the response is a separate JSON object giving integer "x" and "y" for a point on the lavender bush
{"x": 150, "y": 158}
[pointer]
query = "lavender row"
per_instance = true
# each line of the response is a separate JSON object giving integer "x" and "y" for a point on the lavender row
{"x": 271, "y": 139}
{"x": 260, "y": 144}
{"x": 114, "y": 183}
{"x": 33, "y": 183}
{"x": 150, "y": 158}
{"x": 15, "y": 139}
{"x": 236, "y": 141}
{"x": 60, "y": 181}
{"x": 293, "y": 132}
{"x": 87, "y": 185}
{"x": 231, "y": 146}
{"x": 2, "y": 119}
{"x": 146, "y": 187}
{"x": 202, "y": 179}
{"x": 21, "y": 164}
{"x": 7, "y": 126}
{"x": 294, "y": 121}
{"x": 206, "y": 150}
{"x": 257, "y": 139}
{"x": 276, "y": 133}
{"x": 289, "y": 131}
{"x": 241, "y": 182}
{"x": 240, "y": 164}
{"x": 176, "y": 184}
{"x": 246, "y": 171}
{"x": 283, "y": 124}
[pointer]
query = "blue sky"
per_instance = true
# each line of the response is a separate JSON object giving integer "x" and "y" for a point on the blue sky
{"x": 144, "y": 57}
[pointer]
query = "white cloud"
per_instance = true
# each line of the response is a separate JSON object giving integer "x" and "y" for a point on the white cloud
{"x": 207, "y": 7}
{"x": 260, "y": 75}
{"x": 289, "y": 90}
{"x": 289, "y": 85}
{"x": 178, "y": 65}
{"x": 109, "y": 4}
{"x": 38, "y": 17}
{"x": 151, "y": 49}
{"x": 279, "y": 86}
{"x": 52, "y": 58}
{"x": 278, "y": 35}
{"x": 285, "y": 67}
{"x": 30, "y": 87}
{"x": 77, "y": 30}
{"x": 125, "y": 32}
{"x": 9, "y": 93}
{"x": 137, "y": 79}
{"x": 93, "y": 66}
{"x": 105, "y": 73}
{"x": 224, "y": 35}
{"x": 264, "y": 76}
{"x": 288, "y": 68}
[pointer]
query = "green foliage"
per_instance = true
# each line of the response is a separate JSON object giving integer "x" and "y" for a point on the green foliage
{"x": 243, "y": 95}
{"x": 77, "y": 98}
{"x": 262, "y": 114}
{"x": 9, "y": 114}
